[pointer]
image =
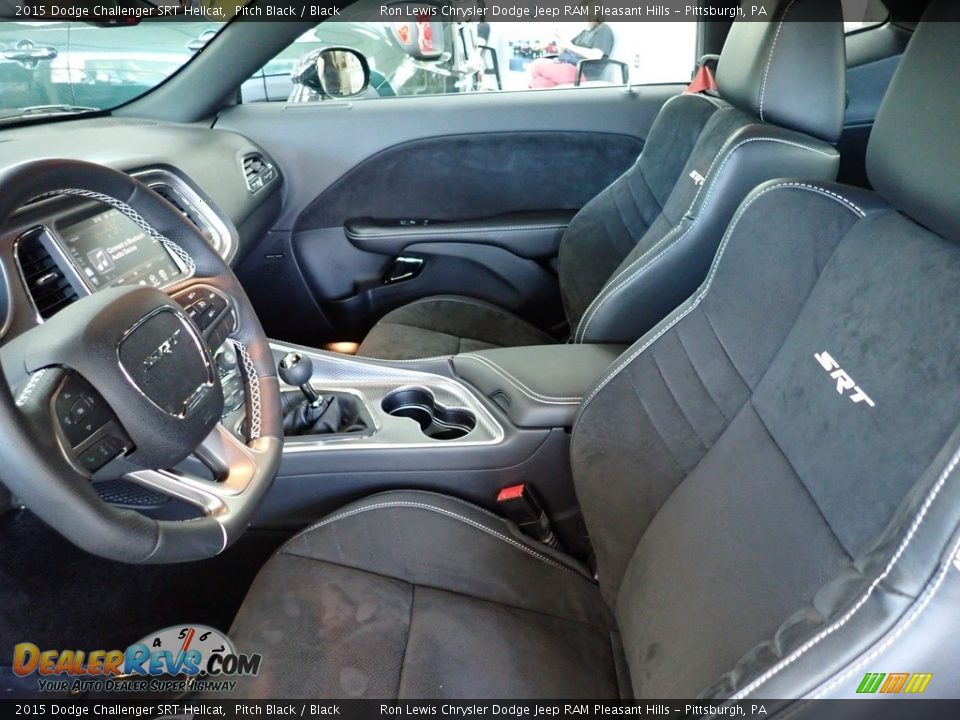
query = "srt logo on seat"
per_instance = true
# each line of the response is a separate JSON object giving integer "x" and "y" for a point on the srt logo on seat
{"x": 844, "y": 382}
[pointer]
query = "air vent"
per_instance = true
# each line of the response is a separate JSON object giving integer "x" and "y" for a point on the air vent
{"x": 257, "y": 172}
{"x": 45, "y": 280}
{"x": 192, "y": 206}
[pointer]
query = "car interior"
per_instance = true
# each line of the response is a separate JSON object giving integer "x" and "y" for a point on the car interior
{"x": 604, "y": 392}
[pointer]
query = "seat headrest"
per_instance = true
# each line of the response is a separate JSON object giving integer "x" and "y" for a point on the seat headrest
{"x": 790, "y": 67}
{"x": 913, "y": 159}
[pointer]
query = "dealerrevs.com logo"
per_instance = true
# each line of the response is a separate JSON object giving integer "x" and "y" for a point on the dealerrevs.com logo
{"x": 183, "y": 657}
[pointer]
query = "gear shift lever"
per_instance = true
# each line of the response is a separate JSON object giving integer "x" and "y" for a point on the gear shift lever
{"x": 297, "y": 370}
{"x": 318, "y": 414}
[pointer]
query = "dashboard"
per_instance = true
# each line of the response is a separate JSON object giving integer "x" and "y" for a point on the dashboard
{"x": 59, "y": 249}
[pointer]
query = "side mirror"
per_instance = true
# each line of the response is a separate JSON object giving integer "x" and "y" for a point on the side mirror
{"x": 336, "y": 72}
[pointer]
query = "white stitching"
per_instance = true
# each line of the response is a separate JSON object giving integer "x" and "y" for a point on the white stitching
{"x": 605, "y": 295}
{"x": 253, "y": 384}
{"x": 713, "y": 101}
{"x": 133, "y": 215}
{"x": 475, "y": 508}
{"x": 607, "y": 284}
{"x": 773, "y": 47}
{"x": 526, "y": 390}
{"x": 29, "y": 387}
{"x": 678, "y": 316}
{"x": 716, "y": 103}
{"x": 919, "y": 608}
{"x": 914, "y": 526}
{"x": 602, "y": 296}
{"x": 441, "y": 511}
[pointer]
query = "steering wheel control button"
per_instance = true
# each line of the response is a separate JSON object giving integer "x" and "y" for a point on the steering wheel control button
{"x": 188, "y": 297}
{"x": 101, "y": 452}
{"x": 203, "y": 305}
{"x": 209, "y": 316}
{"x": 233, "y": 395}
{"x": 80, "y": 410}
{"x": 226, "y": 360}
{"x": 216, "y": 301}
{"x": 167, "y": 362}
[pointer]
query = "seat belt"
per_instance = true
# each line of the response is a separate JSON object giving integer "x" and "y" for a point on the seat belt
{"x": 520, "y": 505}
{"x": 703, "y": 81}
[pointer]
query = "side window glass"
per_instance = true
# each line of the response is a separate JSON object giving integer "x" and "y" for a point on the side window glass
{"x": 411, "y": 56}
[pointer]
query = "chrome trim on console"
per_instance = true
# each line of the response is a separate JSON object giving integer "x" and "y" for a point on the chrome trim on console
{"x": 372, "y": 383}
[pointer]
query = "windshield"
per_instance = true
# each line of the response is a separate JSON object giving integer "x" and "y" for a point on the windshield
{"x": 57, "y": 67}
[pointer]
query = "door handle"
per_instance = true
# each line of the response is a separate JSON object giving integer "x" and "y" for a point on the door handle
{"x": 28, "y": 54}
{"x": 403, "y": 268}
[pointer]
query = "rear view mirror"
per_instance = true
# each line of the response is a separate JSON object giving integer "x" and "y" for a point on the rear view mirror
{"x": 334, "y": 72}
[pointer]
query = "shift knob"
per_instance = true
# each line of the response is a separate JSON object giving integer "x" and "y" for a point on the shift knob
{"x": 295, "y": 369}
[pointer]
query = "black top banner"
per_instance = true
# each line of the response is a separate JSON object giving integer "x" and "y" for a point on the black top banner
{"x": 134, "y": 11}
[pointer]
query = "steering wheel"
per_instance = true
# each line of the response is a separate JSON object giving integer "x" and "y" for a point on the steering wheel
{"x": 133, "y": 357}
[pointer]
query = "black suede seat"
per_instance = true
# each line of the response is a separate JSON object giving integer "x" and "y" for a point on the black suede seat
{"x": 384, "y": 599}
{"x": 768, "y": 478}
{"x": 640, "y": 247}
{"x": 435, "y": 326}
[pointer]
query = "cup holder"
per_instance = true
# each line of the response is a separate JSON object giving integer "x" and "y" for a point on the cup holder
{"x": 435, "y": 420}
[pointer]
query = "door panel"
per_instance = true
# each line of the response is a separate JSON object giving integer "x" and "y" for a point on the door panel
{"x": 461, "y": 177}
{"x": 446, "y": 160}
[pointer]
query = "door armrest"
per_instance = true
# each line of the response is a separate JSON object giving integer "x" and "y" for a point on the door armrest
{"x": 533, "y": 235}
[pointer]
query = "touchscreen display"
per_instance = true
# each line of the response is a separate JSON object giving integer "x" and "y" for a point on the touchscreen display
{"x": 110, "y": 249}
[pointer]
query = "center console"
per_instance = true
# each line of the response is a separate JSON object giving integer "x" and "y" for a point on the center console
{"x": 405, "y": 408}
{"x": 467, "y": 425}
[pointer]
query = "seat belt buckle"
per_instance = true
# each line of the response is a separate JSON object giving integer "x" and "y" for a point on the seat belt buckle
{"x": 520, "y": 504}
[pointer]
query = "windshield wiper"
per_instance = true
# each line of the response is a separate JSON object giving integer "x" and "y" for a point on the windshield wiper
{"x": 46, "y": 110}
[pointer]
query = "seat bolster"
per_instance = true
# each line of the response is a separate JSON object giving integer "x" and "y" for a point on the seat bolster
{"x": 447, "y": 325}
{"x": 875, "y": 608}
{"x": 606, "y": 229}
{"x": 665, "y": 271}
{"x": 442, "y": 542}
